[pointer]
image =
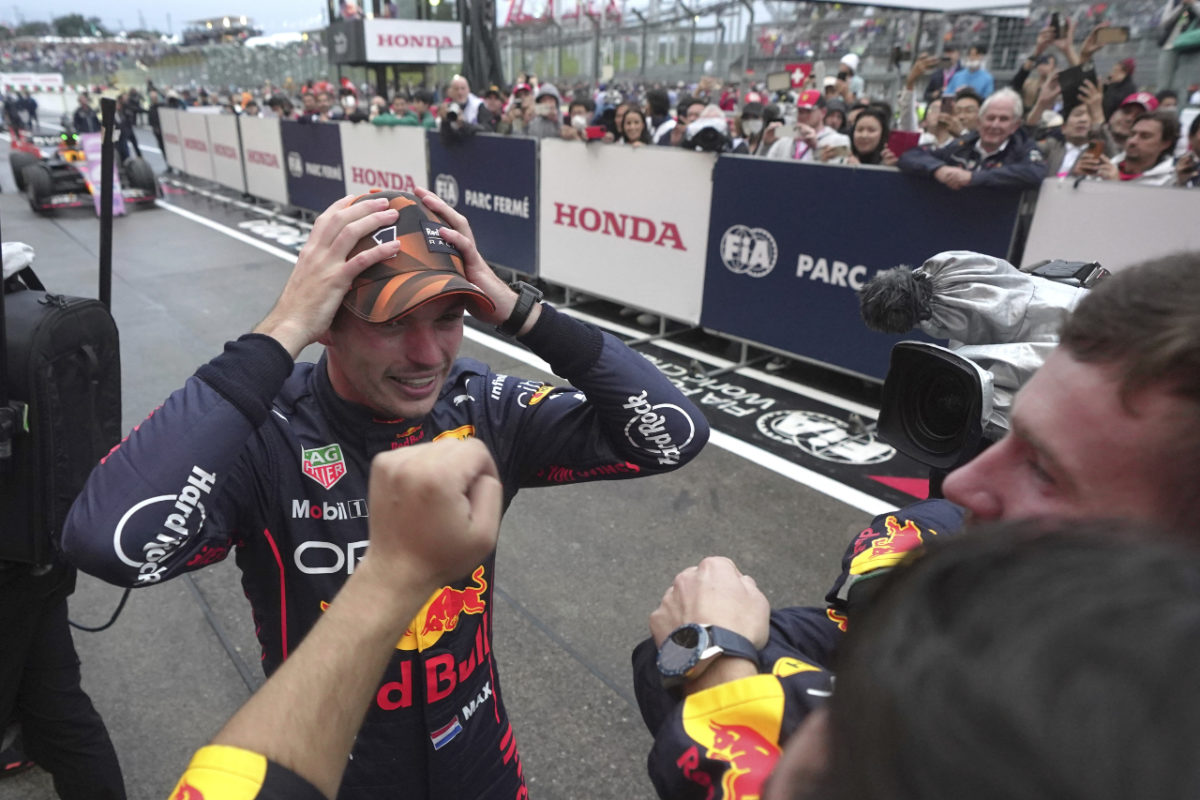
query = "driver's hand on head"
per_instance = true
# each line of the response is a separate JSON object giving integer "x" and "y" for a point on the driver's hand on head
{"x": 322, "y": 274}
{"x": 458, "y": 233}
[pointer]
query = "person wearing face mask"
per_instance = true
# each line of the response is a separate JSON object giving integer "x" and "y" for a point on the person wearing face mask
{"x": 750, "y": 125}
{"x": 974, "y": 76}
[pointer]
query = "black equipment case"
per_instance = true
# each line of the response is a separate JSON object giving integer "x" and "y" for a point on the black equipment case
{"x": 63, "y": 384}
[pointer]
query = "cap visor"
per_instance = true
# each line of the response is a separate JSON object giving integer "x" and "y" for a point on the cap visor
{"x": 384, "y": 300}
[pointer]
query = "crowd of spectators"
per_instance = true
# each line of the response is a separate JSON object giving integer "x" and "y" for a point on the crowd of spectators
{"x": 952, "y": 121}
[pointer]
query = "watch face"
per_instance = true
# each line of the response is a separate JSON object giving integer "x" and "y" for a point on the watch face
{"x": 681, "y": 650}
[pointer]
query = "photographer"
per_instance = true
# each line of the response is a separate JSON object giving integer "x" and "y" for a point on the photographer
{"x": 812, "y": 135}
{"x": 547, "y": 120}
{"x": 709, "y": 132}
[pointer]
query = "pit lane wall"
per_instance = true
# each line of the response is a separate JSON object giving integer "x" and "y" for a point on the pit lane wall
{"x": 764, "y": 251}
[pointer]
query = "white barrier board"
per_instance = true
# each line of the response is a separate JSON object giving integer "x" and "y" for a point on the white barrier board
{"x": 629, "y": 224}
{"x": 1116, "y": 224}
{"x": 197, "y": 155}
{"x": 262, "y": 151}
{"x": 226, "y": 151}
{"x": 375, "y": 157}
{"x": 168, "y": 118}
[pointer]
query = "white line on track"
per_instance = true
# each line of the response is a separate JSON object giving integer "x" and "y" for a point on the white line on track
{"x": 781, "y": 466}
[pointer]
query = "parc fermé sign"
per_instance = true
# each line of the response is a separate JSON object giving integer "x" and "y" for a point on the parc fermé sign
{"x": 226, "y": 151}
{"x": 607, "y": 230}
{"x": 172, "y": 141}
{"x": 492, "y": 181}
{"x": 312, "y": 159}
{"x": 784, "y": 269}
{"x": 389, "y": 158}
{"x": 409, "y": 41}
{"x": 262, "y": 154}
{"x": 197, "y": 155}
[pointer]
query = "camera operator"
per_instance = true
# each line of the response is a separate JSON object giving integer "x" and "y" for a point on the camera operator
{"x": 709, "y": 132}
{"x": 1106, "y": 428}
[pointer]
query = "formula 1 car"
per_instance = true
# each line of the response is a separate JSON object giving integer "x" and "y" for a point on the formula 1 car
{"x": 52, "y": 172}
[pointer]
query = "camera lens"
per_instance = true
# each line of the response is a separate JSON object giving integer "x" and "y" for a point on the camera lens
{"x": 938, "y": 410}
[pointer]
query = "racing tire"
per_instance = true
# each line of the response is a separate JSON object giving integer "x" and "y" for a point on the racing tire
{"x": 141, "y": 175}
{"x": 38, "y": 184}
{"x": 19, "y": 160}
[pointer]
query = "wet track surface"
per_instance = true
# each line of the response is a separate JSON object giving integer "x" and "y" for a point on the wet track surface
{"x": 579, "y": 567}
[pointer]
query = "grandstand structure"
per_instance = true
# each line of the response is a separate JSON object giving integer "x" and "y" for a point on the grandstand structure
{"x": 219, "y": 30}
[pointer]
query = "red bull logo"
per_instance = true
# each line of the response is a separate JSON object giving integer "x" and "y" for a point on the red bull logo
{"x": 442, "y": 612}
{"x": 889, "y": 549}
{"x": 751, "y": 758}
{"x": 409, "y": 437}
{"x": 838, "y": 618}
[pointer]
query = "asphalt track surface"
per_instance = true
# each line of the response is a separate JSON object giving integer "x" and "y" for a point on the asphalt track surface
{"x": 579, "y": 567}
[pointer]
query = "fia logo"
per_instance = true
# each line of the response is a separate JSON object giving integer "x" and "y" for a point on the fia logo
{"x": 446, "y": 187}
{"x": 295, "y": 164}
{"x": 340, "y": 43}
{"x": 749, "y": 251}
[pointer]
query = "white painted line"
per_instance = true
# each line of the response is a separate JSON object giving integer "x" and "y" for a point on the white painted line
{"x": 756, "y": 455}
{"x": 721, "y": 363}
{"x": 231, "y": 232}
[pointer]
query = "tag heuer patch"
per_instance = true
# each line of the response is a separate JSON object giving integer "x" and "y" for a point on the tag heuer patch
{"x": 324, "y": 465}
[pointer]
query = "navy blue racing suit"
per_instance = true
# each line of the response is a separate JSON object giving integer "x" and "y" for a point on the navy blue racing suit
{"x": 260, "y": 454}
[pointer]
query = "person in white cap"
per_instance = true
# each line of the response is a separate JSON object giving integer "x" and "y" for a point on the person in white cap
{"x": 848, "y": 72}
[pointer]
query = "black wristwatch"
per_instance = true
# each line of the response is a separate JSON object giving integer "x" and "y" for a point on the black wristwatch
{"x": 527, "y": 296}
{"x": 692, "y": 647}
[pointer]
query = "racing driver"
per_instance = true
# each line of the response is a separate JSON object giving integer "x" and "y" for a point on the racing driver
{"x": 272, "y": 457}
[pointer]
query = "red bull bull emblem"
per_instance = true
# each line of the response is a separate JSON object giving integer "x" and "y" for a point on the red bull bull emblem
{"x": 186, "y": 791}
{"x": 751, "y": 758}
{"x": 325, "y": 465}
{"x": 890, "y": 549}
{"x": 443, "y": 611}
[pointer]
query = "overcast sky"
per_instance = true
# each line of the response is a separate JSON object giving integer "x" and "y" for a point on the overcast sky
{"x": 273, "y": 16}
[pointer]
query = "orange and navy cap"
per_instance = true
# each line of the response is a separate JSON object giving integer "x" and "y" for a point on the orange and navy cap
{"x": 426, "y": 268}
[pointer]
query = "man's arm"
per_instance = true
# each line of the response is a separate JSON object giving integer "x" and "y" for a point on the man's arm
{"x": 155, "y": 503}
{"x": 621, "y": 417}
{"x": 435, "y": 513}
{"x": 925, "y": 160}
{"x": 1028, "y": 170}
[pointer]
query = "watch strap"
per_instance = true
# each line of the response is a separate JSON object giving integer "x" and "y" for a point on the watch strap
{"x": 729, "y": 643}
{"x": 527, "y": 297}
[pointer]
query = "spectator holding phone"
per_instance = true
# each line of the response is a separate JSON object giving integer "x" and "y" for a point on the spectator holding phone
{"x": 1187, "y": 166}
{"x": 812, "y": 135}
{"x": 946, "y": 67}
{"x": 1119, "y": 85}
{"x": 1147, "y": 157}
{"x": 869, "y": 139}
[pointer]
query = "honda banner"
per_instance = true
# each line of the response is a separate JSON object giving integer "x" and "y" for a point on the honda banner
{"x": 172, "y": 141}
{"x": 410, "y": 41}
{"x": 628, "y": 224}
{"x": 492, "y": 181}
{"x": 226, "y": 151}
{"x": 376, "y": 157}
{"x": 262, "y": 154}
{"x": 312, "y": 155}
{"x": 1094, "y": 220}
{"x": 197, "y": 157}
{"x": 784, "y": 267}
